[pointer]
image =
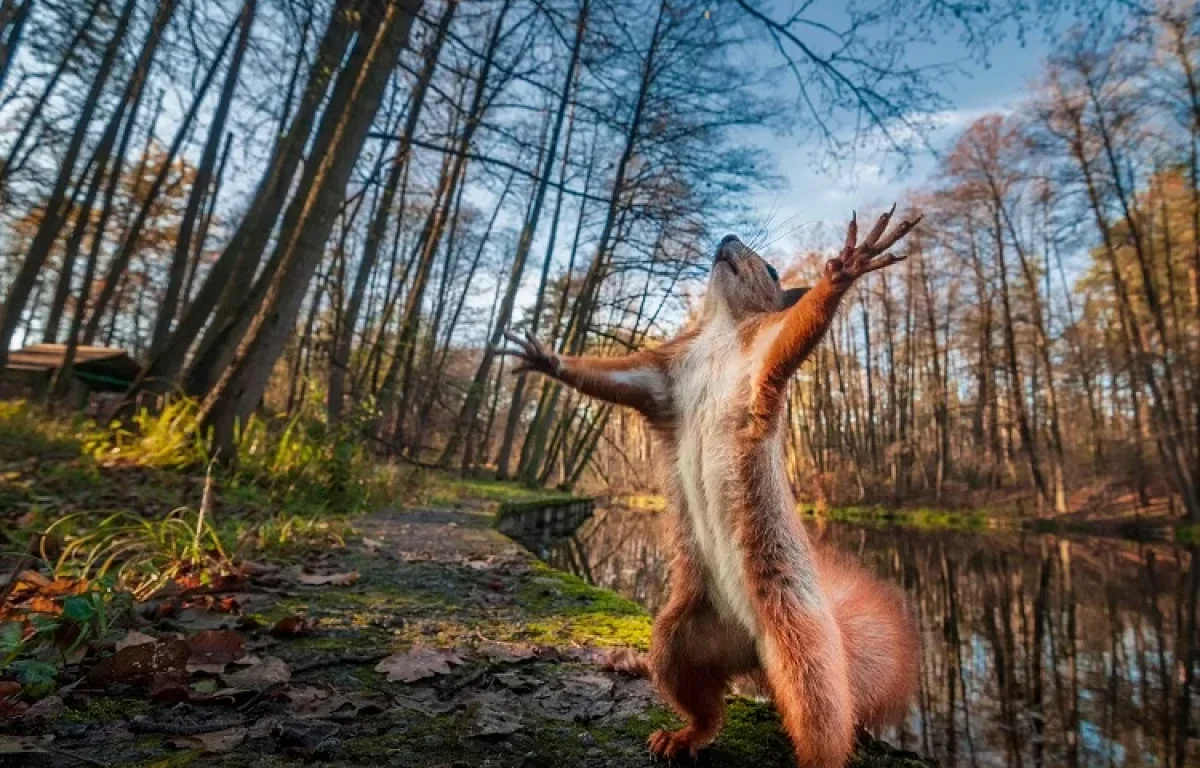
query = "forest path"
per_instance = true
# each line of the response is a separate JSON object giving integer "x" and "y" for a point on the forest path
{"x": 438, "y": 643}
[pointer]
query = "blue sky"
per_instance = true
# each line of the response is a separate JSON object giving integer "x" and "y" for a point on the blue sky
{"x": 819, "y": 197}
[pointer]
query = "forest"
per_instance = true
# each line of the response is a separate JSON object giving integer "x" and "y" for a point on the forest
{"x": 267, "y": 218}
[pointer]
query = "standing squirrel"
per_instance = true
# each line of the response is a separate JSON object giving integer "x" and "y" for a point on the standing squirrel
{"x": 749, "y": 593}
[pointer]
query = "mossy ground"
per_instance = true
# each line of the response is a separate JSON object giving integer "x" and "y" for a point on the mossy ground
{"x": 438, "y": 575}
{"x": 444, "y": 578}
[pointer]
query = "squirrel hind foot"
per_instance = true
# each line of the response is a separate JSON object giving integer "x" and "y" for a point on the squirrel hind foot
{"x": 686, "y": 742}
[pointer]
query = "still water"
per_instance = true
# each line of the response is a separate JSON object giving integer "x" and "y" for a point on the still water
{"x": 1037, "y": 650}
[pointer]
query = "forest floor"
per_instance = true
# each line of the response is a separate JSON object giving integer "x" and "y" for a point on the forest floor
{"x": 431, "y": 641}
{"x": 415, "y": 636}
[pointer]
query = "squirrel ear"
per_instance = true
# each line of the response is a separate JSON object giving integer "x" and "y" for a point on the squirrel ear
{"x": 790, "y": 296}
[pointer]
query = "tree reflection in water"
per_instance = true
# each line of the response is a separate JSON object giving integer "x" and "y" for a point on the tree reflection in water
{"x": 1038, "y": 650}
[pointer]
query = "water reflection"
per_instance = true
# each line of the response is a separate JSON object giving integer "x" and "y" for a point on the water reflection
{"x": 1038, "y": 650}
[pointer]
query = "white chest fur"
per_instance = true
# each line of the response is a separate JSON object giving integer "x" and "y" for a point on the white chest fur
{"x": 710, "y": 383}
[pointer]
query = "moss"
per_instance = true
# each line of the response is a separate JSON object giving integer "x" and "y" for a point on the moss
{"x": 107, "y": 709}
{"x": 176, "y": 760}
{"x": 564, "y": 608}
{"x": 941, "y": 519}
{"x": 435, "y": 487}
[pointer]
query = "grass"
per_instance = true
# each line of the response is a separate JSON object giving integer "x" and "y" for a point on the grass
{"x": 1188, "y": 535}
{"x": 441, "y": 488}
{"x": 922, "y": 517}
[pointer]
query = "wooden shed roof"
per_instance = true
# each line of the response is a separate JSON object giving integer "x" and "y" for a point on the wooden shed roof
{"x": 107, "y": 367}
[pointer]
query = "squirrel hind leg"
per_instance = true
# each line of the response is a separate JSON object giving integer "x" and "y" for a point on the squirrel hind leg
{"x": 693, "y": 655}
{"x": 805, "y": 669}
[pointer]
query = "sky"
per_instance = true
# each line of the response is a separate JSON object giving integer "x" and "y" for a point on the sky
{"x": 819, "y": 198}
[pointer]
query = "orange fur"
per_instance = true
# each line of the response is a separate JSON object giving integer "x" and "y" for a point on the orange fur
{"x": 750, "y": 594}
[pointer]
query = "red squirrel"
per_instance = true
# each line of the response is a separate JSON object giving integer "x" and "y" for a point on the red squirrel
{"x": 750, "y": 594}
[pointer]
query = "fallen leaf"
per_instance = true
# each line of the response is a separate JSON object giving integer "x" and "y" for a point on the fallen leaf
{"x": 506, "y": 653}
{"x": 134, "y": 638}
{"x": 306, "y": 738}
{"x": 579, "y": 699}
{"x": 310, "y": 701}
{"x": 417, "y": 663}
{"x": 41, "y": 604}
{"x": 61, "y": 587}
{"x": 149, "y": 664}
{"x": 328, "y": 579}
{"x": 497, "y": 715}
{"x": 200, "y": 619}
{"x": 292, "y": 626}
{"x": 33, "y": 579}
{"x": 215, "y": 742}
{"x": 11, "y": 705}
{"x": 47, "y": 710}
{"x": 256, "y": 677}
{"x": 24, "y": 745}
{"x": 515, "y": 682}
{"x": 216, "y": 646}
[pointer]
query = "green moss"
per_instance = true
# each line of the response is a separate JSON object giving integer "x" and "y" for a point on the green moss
{"x": 107, "y": 709}
{"x": 433, "y": 487}
{"x": 1188, "y": 534}
{"x": 175, "y": 760}
{"x": 564, "y": 608}
{"x": 923, "y": 517}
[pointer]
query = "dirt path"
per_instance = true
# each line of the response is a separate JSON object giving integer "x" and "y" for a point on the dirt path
{"x": 452, "y": 647}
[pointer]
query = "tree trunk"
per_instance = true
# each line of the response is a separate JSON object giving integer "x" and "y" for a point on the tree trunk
{"x": 235, "y": 268}
{"x": 129, "y": 101}
{"x": 530, "y": 229}
{"x": 340, "y": 355}
{"x": 168, "y": 309}
{"x": 131, "y": 240}
{"x": 385, "y": 33}
{"x": 55, "y": 211}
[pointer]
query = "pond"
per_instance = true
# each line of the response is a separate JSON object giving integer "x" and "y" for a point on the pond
{"x": 1038, "y": 650}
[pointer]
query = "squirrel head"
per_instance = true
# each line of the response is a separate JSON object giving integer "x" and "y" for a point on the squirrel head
{"x": 743, "y": 284}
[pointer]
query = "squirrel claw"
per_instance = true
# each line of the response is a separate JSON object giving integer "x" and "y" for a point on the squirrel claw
{"x": 667, "y": 745}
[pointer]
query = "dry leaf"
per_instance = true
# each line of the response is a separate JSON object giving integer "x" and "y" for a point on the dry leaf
{"x": 24, "y": 745}
{"x": 328, "y": 579}
{"x": 417, "y": 663}
{"x": 497, "y": 715}
{"x": 506, "y": 653}
{"x": 156, "y": 665}
{"x": 134, "y": 638}
{"x": 292, "y": 626}
{"x": 215, "y": 742}
{"x": 256, "y": 677}
{"x": 216, "y": 646}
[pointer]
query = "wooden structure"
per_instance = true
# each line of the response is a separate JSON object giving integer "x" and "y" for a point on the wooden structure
{"x": 543, "y": 518}
{"x": 30, "y": 371}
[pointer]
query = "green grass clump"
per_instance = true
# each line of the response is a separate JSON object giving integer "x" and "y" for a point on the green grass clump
{"x": 923, "y": 517}
{"x": 1188, "y": 534}
{"x": 441, "y": 488}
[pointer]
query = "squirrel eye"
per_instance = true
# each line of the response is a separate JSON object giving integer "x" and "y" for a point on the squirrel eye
{"x": 771, "y": 271}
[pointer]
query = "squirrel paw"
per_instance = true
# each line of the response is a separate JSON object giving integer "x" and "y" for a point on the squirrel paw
{"x": 667, "y": 745}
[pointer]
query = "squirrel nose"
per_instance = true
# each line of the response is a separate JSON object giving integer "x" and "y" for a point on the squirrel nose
{"x": 726, "y": 243}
